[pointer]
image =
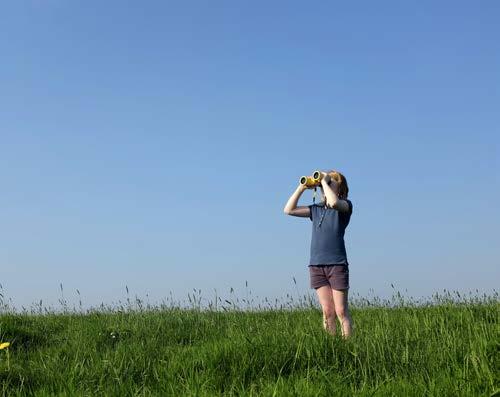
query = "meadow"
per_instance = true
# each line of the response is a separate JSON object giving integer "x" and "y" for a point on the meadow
{"x": 447, "y": 345}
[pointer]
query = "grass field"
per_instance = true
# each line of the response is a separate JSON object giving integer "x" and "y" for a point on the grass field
{"x": 447, "y": 346}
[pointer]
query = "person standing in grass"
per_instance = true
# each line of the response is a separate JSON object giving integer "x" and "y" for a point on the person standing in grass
{"x": 328, "y": 265}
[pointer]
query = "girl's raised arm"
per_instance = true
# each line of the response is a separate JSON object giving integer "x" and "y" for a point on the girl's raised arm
{"x": 291, "y": 206}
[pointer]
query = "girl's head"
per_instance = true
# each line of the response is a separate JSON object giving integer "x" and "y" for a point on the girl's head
{"x": 338, "y": 185}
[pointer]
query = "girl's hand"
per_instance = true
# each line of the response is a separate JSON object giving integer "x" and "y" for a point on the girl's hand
{"x": 302, "y": 187}
{"x": 325, "y": 177}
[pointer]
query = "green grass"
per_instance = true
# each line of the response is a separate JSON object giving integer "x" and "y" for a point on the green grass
{"x": 441, "y": 348}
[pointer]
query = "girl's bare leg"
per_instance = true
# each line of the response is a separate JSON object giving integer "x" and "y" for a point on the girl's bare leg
{"x": 325, "y": 298}
{"x": 342, "y": 311}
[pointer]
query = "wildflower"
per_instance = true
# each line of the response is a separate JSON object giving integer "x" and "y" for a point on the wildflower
{"x": 5, "y": 345}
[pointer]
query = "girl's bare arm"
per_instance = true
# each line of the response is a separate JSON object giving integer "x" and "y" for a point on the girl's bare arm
{"x": 291, "y": 206}
{"x": 332, "y": 200}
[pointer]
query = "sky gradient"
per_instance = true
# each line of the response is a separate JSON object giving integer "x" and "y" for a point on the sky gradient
{"x": 154, "y": 145}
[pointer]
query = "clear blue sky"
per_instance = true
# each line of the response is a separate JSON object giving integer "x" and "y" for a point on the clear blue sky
{"x": 155, "y": 144}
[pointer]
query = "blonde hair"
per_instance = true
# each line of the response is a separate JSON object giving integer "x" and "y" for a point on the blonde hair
{"x": 341, "y": 182}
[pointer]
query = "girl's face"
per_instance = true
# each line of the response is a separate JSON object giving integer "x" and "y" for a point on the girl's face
{"x": 333, "y": 184}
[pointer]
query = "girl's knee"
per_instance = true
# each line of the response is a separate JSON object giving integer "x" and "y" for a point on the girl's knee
{"x": 341, "y": 312}
{"x": 329, "y": 312}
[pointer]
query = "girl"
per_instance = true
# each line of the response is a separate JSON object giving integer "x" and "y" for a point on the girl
{"x": 328, "y": 265}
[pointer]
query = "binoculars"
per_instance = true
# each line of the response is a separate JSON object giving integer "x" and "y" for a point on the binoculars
{"x": 311, "y": 181}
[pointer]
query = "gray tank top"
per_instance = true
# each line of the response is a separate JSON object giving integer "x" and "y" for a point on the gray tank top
{"x": 327, "y": 240}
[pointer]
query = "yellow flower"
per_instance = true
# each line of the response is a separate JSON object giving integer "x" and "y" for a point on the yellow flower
{"x": 4, "y": 345}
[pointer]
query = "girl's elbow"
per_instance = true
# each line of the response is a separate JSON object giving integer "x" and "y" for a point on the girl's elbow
{"x": 332, "y": 204}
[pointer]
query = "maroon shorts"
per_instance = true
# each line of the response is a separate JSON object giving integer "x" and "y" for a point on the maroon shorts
{"x": 336, "y": 276}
